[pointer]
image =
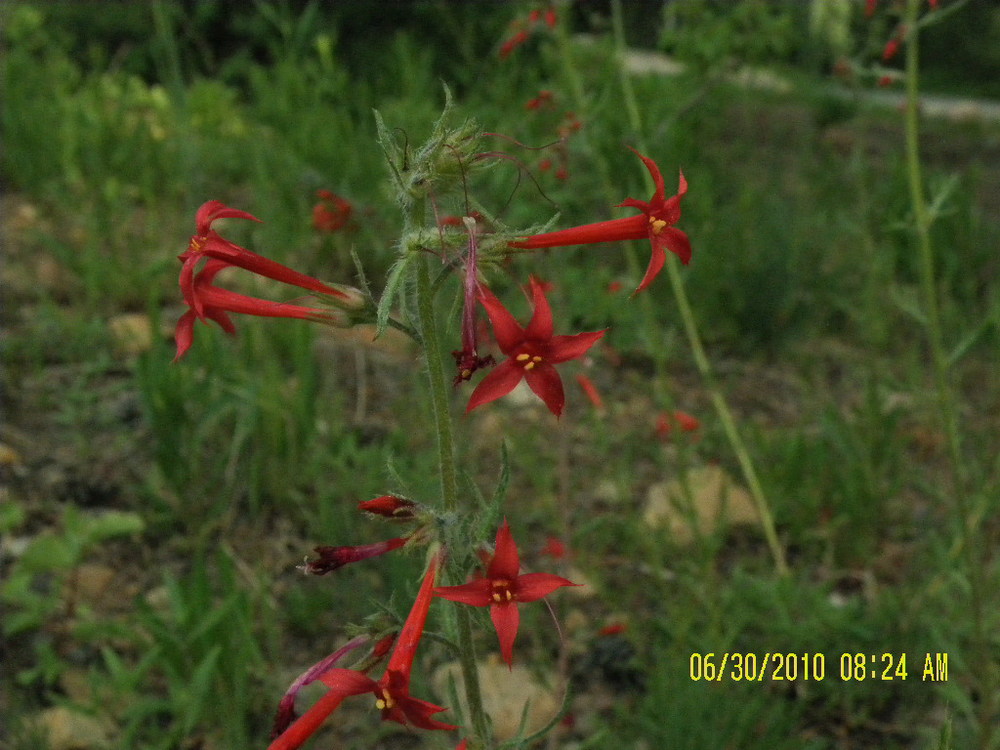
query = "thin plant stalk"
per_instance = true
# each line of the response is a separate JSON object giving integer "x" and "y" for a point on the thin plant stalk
{"x": 688, "y": 320}
{"x": 967, "y": 539}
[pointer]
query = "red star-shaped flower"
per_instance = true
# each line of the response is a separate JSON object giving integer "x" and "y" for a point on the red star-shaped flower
{"x": 656, "y": 222}
{"x": 207, "y": 243}
{"x": 502, "y": 589}
{"x": 531, "y": 352}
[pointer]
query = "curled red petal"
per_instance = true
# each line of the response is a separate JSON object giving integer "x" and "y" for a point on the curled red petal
{"x": 654, "y": 172}
{"x": 184, "y": 334}
{"x": 656, "y": 261}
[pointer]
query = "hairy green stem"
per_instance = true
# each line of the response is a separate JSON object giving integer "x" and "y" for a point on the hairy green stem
{"x": 438, "y": 386}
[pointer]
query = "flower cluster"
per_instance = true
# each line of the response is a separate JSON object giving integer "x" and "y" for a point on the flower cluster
{"x": 523, "y": 28}
{"x": 529, "y": 352}
{"x": 206, "y": 301}
{"x": 502, "y": 588}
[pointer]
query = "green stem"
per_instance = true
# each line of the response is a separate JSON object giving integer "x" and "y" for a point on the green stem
{"x": 691, "y": 331}
{"x": 449, "y": 484}
{"x": 438, "y": 388}
{"x": 967, "y": 540}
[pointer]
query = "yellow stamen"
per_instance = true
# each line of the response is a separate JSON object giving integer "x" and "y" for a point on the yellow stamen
{"x": 529, "y": 365}
{"x": 536, "y": 358}
{"x": 657, "y": 224}
{"x": 522, "y": 357}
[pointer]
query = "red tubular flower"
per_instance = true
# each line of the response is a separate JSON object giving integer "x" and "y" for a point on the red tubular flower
{"x": 390, "y": 506}
{"x": 207, "y": 243}
{"x": 656, "y": 222}
{"x": 331, "y": 558}
{"x": 531, "y": 352}
{"x": 209, "y": 302}
{"x": 286, "y": 707}
{"x": 502, "y": 589}
{"x": 392, "y": 692}
{"x": 331, "y": 213}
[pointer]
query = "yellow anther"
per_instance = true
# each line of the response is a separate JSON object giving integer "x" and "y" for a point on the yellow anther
{"x": 536, "y": 358}
{"x": 657, "y": 224}
{"x": 529, "y": 365}
{"x": 522, "y": 357}
{"x": 380, "y": 704}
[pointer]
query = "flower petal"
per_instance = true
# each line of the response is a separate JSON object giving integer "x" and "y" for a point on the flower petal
{"x": 501, "y": 380}
{"x": 533, "y": 586}
{"x": 676, "y": 242}
{"x": 540, "y": 326}
{"x": 418, "y": 713}
{"x": 508, "y": 331}
{"x": 348, "y": 681}
{"x": 506, "y": 562}
{"x": 506, "y": 620}
{"x": 212, "y": 210}
{"x": 654, "y": 172}
{"x": 184, "y": 334}
{"x": 656, "y": 261}
{"x": 564, "y": 348}
{"x": 476, "y": 593}
{"x": 544, "y": 380}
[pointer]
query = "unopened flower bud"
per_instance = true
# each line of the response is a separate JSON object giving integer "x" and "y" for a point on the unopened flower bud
{"x": 390, "y": 506}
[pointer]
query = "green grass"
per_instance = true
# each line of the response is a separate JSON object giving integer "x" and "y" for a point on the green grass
{"x": 253, "y": 450}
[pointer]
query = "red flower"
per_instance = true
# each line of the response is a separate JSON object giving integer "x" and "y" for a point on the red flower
{"x": 665, "y": 423}
{"x": 331, "y": 213}
{"x": 331, "y": 558}
{"x": 656, "y": 222}
{"x": 392, "y": 692}
{"x": 502, "y": 589}
{"x": 555, "y": 548}
{"x": 209, "y": 302}
{"x": 286, "y": 707}
{"x": 531, "y": 352}
{"x": 390, "y": 506}
{"x": 591, "y": 391}
{"x": 207, "y": 243}
{"x": 891, "y": 48}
